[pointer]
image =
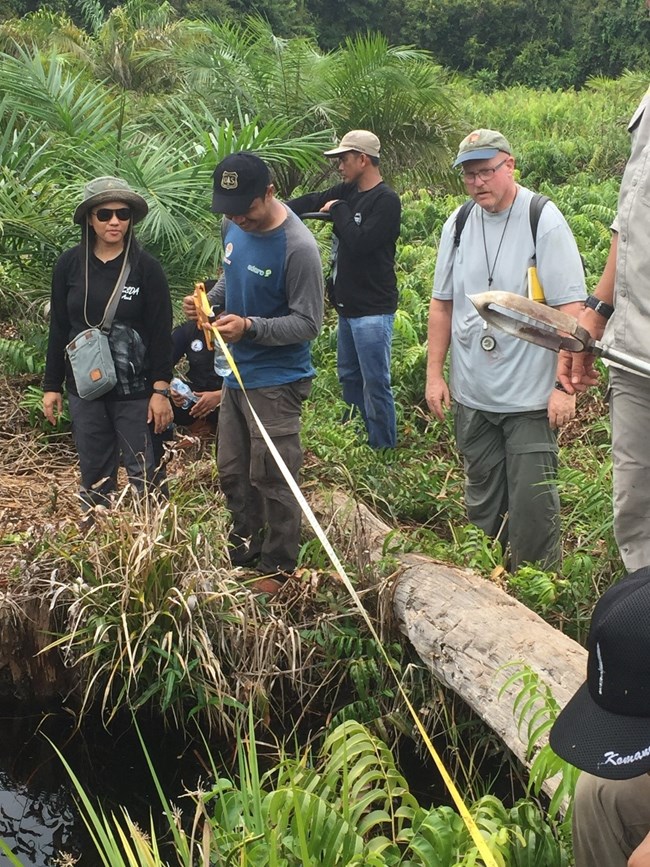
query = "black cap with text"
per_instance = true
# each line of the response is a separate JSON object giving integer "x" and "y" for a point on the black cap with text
{"x": 605, "y": 728}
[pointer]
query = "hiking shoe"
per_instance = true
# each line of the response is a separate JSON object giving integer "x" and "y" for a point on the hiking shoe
{"x": 243, "y": 552}
{"x": 268, "y": 585}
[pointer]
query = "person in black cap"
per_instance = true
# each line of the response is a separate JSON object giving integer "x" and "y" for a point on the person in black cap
{"x": 362, "y": 285}
{"x": 120, "y": 422}
{"x": 605, "y": 730}
{"x": 271, "y": 295}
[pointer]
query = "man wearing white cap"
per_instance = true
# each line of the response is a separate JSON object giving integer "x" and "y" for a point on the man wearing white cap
{"x": 362, "y": 286}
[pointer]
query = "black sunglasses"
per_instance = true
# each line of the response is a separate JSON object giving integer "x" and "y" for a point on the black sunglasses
{"x": 105, "y": 214}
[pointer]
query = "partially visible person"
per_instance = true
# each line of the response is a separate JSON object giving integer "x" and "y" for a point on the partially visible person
{"x": 118, "y": 424}
{"x": 366, "y": 215}
{"x": 271, "y": 295}
{"x": 200, "y": 418}
{"x": 506, "y": 406}
{"x": 619, "y": 313}
{"x": 605, "y": 731}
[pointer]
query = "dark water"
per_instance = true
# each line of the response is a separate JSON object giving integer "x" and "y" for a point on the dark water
{"x": 39, "y": 819}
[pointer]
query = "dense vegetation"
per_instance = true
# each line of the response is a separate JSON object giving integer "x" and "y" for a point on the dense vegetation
{"x": 545, "y": 43}
{"x": 149, "y": 610}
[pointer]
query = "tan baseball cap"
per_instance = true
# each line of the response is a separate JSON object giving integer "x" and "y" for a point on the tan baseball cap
{"x": 360, "y": 140}
{"x": 482, "y": 144}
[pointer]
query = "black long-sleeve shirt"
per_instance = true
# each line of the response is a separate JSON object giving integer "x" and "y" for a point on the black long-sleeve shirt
{"x": 189, "y": 341}
{"x": 366, "y": 228}
{"x": 140, "y": 337}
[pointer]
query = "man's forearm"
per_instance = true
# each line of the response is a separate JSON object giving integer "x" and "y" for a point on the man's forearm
{"x": 439, "y": 336}
{"x": 604, "y": 290}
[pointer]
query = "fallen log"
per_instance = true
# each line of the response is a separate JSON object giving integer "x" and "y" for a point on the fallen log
{"x": 466, "y": 630}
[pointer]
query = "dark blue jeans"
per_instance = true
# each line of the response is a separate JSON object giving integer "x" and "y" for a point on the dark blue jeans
{"x": 364, "y": 344}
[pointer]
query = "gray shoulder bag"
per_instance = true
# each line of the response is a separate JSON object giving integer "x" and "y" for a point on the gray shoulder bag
{"x": 90, "y": 352}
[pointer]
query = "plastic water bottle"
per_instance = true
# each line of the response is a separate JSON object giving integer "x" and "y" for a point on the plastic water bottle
{"x": 183, "y": 389}
{"x": 221, "y": 366}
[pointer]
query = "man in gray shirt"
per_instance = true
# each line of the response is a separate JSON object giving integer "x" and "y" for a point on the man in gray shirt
{"x": 619, "y": 313}
{"x": 271, "y": 292}
{"x": 611, "y": 822}
{"x": 505, "y": 405}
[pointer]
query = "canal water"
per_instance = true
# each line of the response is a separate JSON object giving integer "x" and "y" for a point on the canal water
{"x": 39, "y": 819}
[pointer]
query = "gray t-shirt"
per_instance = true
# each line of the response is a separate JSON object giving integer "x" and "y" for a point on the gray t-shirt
{"x": 627, "y": 330}
{"x": 515, "y": 376}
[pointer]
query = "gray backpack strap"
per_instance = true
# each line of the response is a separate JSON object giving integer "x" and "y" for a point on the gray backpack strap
{"x": 111, "y": 307}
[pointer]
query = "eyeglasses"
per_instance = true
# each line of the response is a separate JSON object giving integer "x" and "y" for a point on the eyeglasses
{"x": 106, "y": 214}
{"x": 483, "y": 174}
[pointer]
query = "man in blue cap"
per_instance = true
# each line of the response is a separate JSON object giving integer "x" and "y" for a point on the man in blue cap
{"x": 505, "y": 403}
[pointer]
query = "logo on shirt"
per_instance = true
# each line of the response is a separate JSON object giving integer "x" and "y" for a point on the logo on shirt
{"x": 129, "y": 293}
{"x": 357, "y": 218}
{"x": 260, "y": 271}
{"x": 196, "y": 345}
{"x": 227, "y": 253}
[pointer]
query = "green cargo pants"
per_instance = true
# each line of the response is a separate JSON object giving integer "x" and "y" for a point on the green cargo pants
{"x": 510, "y": 481}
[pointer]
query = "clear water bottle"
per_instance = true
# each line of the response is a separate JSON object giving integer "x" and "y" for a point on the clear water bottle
{"x": 183, "y": 389}
{"x": 221, "y": 366}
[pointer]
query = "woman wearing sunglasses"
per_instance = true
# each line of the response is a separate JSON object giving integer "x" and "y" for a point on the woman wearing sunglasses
{"x": 110, "y": 264}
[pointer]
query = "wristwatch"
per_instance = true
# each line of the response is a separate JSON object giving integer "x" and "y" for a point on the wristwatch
{"x": 164, "y": 391}
{"x": 251, "y": 332}
{"x": 601, "y": 307}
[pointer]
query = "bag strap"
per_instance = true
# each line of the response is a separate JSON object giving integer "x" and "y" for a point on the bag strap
{"x": 111, "y": 307}
{"x": 109, "y": 312}
{"x": 534, "y": 212}
{"x": 461, "y": 219}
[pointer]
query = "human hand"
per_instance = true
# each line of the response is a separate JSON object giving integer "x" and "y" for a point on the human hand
{"x": 576, "y": 370}
{"x": 437, "y": 396}
{"x": 641, "y": 855}
{"x": 159, "y": 412}
{"x": 189, "y": 308}
{"x": 176, "y": 398}
{"x": 561, "y": 408}
{"x": 231, "y": 327}
{"x": 207, "y": 402}
{"x": 326, "y": 207}
{"x": 52, "y": 405}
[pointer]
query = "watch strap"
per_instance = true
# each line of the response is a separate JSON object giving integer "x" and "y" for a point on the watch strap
{"x": 164, "y": 391}
{"x": 601, "y": 307}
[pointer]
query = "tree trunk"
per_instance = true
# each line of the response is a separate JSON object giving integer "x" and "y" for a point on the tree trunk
{"x": 466, "y": 630}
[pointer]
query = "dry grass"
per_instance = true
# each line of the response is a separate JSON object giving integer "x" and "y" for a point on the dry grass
{"x": 149, "y": 611}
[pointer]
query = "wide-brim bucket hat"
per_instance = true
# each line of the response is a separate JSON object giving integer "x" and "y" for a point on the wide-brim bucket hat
{"x": 107, "y": 189}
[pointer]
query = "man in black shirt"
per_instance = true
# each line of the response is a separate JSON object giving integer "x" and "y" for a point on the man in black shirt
{"x": 363, "y": 287}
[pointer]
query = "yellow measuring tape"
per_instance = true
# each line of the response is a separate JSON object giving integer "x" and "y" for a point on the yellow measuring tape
{"x": 472, "y": 827}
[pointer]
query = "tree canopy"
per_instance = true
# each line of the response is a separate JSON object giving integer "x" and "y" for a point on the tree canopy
{"x": 538, "y": 43}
